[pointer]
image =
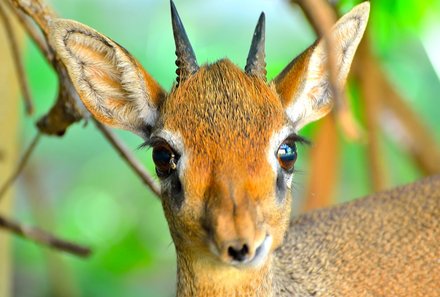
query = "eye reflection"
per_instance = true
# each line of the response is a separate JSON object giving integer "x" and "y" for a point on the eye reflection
{"x": 165, "y": 160}
{"x": 287, "y": 155}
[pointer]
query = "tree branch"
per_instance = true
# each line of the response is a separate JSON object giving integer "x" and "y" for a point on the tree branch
{"x": 325, "y": 163}
{"x": 371, "y": 90}
{"x": 38, "y": 11}
{"x": 44, "y": 238}
{"x": 417, "y": 139}
{"x": 21, "y": 165}
{"x": 15, "y": 52}
{"x": 32, "y": 31}
{"x": 397, "y": 118}
{"x": 322, "y": 17}
{"x": 128, "y": 157}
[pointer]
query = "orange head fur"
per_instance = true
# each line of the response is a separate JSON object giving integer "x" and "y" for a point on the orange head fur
{"x": 225, "y": 120}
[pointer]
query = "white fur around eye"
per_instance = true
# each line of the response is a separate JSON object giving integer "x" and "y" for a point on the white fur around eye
{"x": 174, "y": 139}
{"x": 288, "y": 180}
{"x": 275, "y": 141}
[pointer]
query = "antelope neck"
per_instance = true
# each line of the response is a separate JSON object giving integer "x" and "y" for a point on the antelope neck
{"x": 197, "y": 276}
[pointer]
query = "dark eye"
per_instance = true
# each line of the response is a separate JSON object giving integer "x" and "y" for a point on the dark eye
{"x": 165, "y": 160}
{"x": 287, "y": 154}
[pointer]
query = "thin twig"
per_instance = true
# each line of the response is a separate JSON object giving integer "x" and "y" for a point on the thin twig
{"x": 325, "y": 159}
{"x": 396, "y": 117}
{"x": 61, "y": 282}
{"x": 44, "y": 238}
{"x": 21, "y": 75}
{"x": 417, "y": 139}
{"x": 31, "y": 29}
{"x": 129, "y": 158}
{"x": 20, "y": 166}
{"x": 322, "y": 18}
{"x": 38, "y": 11}
{"x": 371, "y": 90}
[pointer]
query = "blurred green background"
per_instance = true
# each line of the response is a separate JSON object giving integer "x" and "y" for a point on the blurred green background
{"x": 78, "y": 187}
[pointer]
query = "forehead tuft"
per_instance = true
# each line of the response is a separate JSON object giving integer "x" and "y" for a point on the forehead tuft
{"x": 220, "y": 105}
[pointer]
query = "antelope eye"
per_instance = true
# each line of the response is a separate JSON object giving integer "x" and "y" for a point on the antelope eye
{"x": 287, "y": 155}
{"x": 165, "y": 160}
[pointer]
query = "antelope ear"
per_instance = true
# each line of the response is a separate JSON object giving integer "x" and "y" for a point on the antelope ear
{"x": 304, "y": 86}
{"x": 110, "y": 82}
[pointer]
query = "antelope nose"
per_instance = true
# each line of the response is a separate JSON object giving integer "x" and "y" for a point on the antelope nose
{"x": 239, "y": 251}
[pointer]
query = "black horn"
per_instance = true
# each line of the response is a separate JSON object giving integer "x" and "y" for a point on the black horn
{"x": 186, "y": 59}
{"x": 255, "y": 63}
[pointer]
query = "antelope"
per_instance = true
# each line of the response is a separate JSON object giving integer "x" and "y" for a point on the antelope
{"x": 224, "y": 146}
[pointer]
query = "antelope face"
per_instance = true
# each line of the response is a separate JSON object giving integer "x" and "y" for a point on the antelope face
{"x": 223, "y": 140}
{"x": 226, "y": 198}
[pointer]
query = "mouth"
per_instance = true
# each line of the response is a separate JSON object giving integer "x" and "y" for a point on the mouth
{"x": 260, "y": 256}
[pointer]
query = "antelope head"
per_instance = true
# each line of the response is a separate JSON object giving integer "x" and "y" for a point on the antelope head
{"x": 223, "y": 139}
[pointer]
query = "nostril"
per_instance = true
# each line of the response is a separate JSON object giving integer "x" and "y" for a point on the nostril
{"x": 238, "y": 254}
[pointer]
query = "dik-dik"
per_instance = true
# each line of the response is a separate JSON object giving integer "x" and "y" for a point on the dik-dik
{"x": 224, "y": 145}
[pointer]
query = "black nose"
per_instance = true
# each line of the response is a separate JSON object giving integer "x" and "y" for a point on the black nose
{"x": 238, "y": 253}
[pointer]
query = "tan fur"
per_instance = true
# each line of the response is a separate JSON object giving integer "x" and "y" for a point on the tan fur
{"x": 228, "y": 189}
{"x": 387, "y": 244}
{"x": 210, "y": 279}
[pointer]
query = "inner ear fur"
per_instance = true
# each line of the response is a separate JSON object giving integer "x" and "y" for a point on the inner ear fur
{"x": 304, "y": 86}
{"x": 110, "y": 82}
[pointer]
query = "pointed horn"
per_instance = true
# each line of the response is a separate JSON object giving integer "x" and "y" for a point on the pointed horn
{"x": 255, "y": 63}
{"x": 186, "y": 59}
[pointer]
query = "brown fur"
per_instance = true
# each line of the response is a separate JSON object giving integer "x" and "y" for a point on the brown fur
{"x": 387, "y": 244}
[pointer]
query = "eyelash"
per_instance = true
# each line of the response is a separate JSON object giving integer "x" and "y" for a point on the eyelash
{"x": 287, "y": 153}
{"x": 299, "y": 139}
